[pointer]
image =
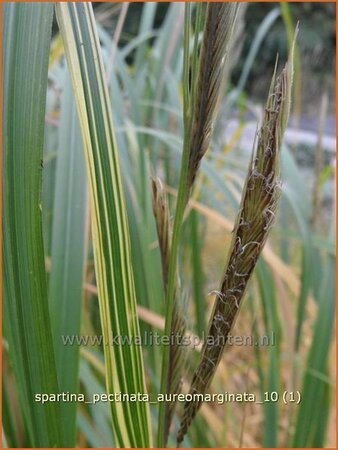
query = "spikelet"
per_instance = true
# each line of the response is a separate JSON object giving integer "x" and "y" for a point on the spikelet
{"x": 163, "y": 226}
{"x": 255, "y": 218}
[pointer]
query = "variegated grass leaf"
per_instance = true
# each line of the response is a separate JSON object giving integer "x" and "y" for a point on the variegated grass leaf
{"x": 255, "y": 217}
{"x": 109, "y": 223}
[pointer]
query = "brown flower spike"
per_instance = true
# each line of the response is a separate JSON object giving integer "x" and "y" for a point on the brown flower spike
{"x": 256, "y": 215}
{"x": 220, "y": 19}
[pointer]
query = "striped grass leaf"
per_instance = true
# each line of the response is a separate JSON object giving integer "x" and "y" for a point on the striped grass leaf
{"x": 27, "y": 33}
{"x": 68, "y": 254}
{"x": 148, "y": 284}
{"x": 256, "y": 214}
{"x": 111, "y": 240}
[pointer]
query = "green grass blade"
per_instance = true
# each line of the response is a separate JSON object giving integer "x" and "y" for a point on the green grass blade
{"x": 27, "y": 32}
{"x": 68, "y": 255}
{"x": 313, "y": 408}
{"x": 306, "y": 275}
{"x": 197, "y": 271}
{"x": 324, "y": 396}
{"x": 111, "y": 241}
{"x": 146, "y": 25}
{"x": 49, "y": 164}
{"x": 272, "y": 377}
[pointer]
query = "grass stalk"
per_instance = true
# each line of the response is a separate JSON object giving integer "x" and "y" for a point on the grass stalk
{"x": 176, "y": 355}
{"x": 180, "y": 207}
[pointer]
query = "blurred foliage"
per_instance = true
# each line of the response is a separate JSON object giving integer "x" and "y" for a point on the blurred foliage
{"x": 316, "y": 43}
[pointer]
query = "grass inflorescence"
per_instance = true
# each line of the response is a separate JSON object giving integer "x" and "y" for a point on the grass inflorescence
{"x": 257, "y": 212}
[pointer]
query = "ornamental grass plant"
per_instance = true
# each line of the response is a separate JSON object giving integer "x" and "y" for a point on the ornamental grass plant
{"x": 128, "y": 213}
